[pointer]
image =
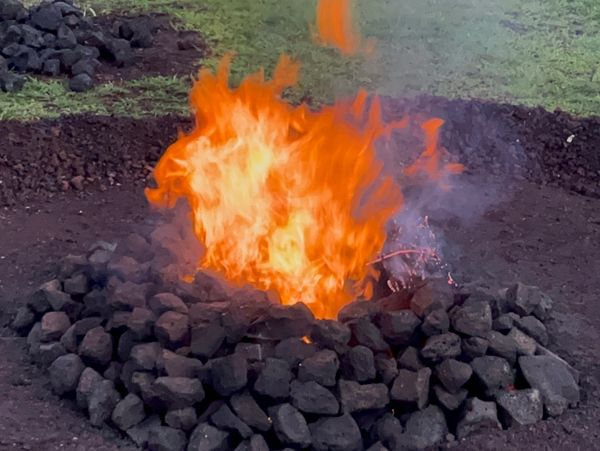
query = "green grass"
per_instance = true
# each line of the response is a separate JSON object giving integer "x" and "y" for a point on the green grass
{"x": 535, "y": 52}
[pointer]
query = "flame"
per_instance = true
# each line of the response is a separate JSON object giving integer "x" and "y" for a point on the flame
{"x": 284, "y": 198}
{"x": 336, "y": 27}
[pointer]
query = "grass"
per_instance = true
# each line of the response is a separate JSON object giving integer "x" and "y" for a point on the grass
{"x": 535, "y": 52}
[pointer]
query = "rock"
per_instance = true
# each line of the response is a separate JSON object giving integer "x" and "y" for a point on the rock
{"x": 411, "y": 386}
{"x": 65, "y": 38}
{"x": 69, "y": 340}
{"x": 88, "y": 380}
{"x": 524, "y": 343}
{"x": 96, "y": 348}
{"x": 208, "y": 438}
{"x": 424, "y": 429}
{"x": 245, "y": 407}
{"x": 365, "y": 333}
{"x": 172, "y": 330}
{"x": 359, "y": 364}
{"x": 226, "y": 420}
{"x": 331, "y": 334}
{"x": 178, "y": 392}
{"x": 12, "y": 10}
{"x": 534, "y": 328}
{"x": 543, "y": 310}
{"x": 293, "y": 350}
{"x": 141, "y": 323}
{"x": 54, "y": 325}
{"x": 322, "y": 367}
{"x": 81, "y": 83}
{"x": 546, "y": 352}
{"x": 31, "y": 37}
{"x": 48, "y": 17}
{"x": 128, "y": 295}
{"x": 101, "y": 402}
{"x": 119, "y": 52}
{"x": 310, "y": 397}
{"x": 65, "y": 373}
{"x": 523, "y": 299}
{"x": 450, "y": 401}
{"x": 207, "y": 339}
{"x": 478, "y": 415}
{"x": 256, "y": 443}
{"x": 179, "y": 366}
{"x": 503, "y": 323}
{"x": 145, "y": 356}
{"x": 398, "y": 327}
{"x": 229, "y": 374}
{"x": 453, "y": 374}
{"x": 51, "y": 67}
{"x": 40, "y": 299}
{"x": 336, "y": 434}
{"x": 474, "y": 347}
{"x": 474, "y": 319}
{"x": 502, "y": 346}
{"x": 436, "y": 294}
{"x": 440, "y": 347}
{"x": 387, "y": 368}
{"x": 254, "y": 352}
{"x": 128, "y": 412}
{"x": 553, "y": 379}
{"x": 49, "y": 352}
{"x": 355, "y": 397}
{"x": 184, "y": 419}
{"x": 77, "y": 285}
{"x": 113, "y": 372}
{"x": 437, "y": 322}
{"x": 274, "y": 380}
{"x": 494, "y": 373}
{"x": 378, "y": 446}
{"x": 290, "y": 426}
{"x": 24, "y": 320}
{"x": 520, "y": 407}
{"x": 140, "y": 433}
{"x": 83, "y": 326}
{"x": 95, "y": 304}
{"x": 386, "y": 429}
{"x": 165, "y": 302}
{"x": 164, "y": 438}
{"x": 410, "y": 359}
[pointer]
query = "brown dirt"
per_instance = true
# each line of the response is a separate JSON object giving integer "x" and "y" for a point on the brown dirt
{"x": 543, "y": 235}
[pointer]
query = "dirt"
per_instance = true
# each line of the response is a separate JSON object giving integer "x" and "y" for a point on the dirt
{"x": 536, "y": 233}
{"x": 42, "y": 158}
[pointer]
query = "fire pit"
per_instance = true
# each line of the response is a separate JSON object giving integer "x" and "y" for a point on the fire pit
{"x": 175, "y": 364}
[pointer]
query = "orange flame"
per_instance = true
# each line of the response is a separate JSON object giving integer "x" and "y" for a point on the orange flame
{"x": 283, "y": 198}
{"x": 336, "y": 27}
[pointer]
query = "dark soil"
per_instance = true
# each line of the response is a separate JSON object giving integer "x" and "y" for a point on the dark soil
{"x": 539, "y": 234}
{"x": 184, "y": 50}
{"x": 41, "y": 158}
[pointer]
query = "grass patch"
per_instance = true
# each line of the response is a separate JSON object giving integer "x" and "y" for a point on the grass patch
{"x": 539, "y": 52}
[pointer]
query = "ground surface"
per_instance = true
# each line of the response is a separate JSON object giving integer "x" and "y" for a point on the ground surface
{"x": 537, "y": 234}
{"x": 534, "y": 52}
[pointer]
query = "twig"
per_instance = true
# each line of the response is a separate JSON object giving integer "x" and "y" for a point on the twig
{"x": 395, "y": 254}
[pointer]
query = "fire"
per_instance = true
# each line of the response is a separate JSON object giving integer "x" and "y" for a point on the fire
{"x": 281, "y": 197}
{"x": 336, "y": 27}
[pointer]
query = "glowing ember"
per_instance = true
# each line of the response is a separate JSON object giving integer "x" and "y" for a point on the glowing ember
{"x": 336, "y": 27}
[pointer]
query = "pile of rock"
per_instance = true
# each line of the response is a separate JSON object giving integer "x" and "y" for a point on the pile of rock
{"x": 56, "y": 38}
{"x": 180, "y": 366}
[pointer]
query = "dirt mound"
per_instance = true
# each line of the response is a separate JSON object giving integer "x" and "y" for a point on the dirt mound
{"x": 44, "y": 158}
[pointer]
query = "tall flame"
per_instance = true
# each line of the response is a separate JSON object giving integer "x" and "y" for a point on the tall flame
{"x": 283, "y": 198}
{"x": 336, "y": 27}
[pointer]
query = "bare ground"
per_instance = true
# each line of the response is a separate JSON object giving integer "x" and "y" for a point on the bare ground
{"x": 537, "y": 234}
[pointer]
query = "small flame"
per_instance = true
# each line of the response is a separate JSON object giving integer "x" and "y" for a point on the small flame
{"x": 281, "y": 197}
{"x": 306, "y": 339}
{"x": 336, "y": 28}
